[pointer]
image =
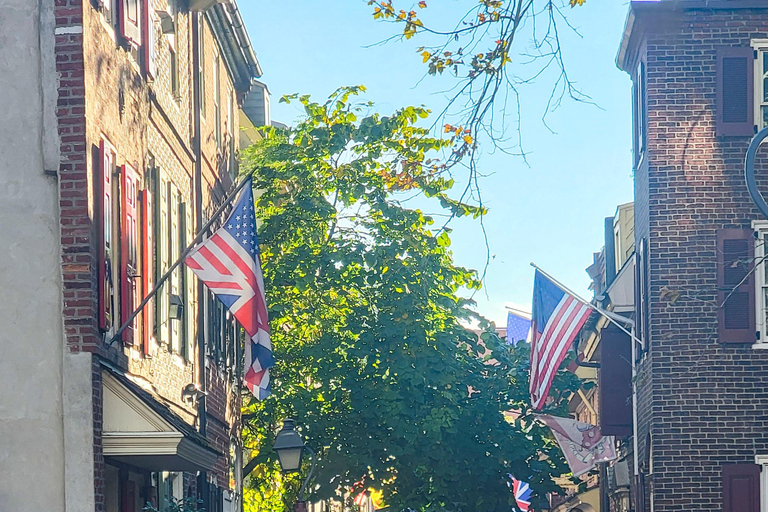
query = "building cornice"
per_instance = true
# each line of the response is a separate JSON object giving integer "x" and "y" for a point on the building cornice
{"x": 641, "y": 11}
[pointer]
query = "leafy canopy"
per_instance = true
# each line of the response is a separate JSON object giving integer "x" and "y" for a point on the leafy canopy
{"x": 373, "y": 359}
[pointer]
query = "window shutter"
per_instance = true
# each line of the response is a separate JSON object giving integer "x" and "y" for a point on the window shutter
{"x": 107, "y": 165}
{"x": 128, "y": 250}
{"x": 735, "y": 91}
{"x": 615, "y": 382}
{"x": 149, "y": 36}
{"x": 736, "y": 286}
{"x": 130, "y": 20}
{"x": 173, "y": 243}
{"x": 741, "y": 488}
{"x": 147, "y": 267}
{"x": 164, "y": 249}
{"x": 190, "y": 301}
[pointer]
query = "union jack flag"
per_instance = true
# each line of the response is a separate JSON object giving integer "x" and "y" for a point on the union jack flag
{"x": 522, "y": 494}
{"x": 228, "y": 263}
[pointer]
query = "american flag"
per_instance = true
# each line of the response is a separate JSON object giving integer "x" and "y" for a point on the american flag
{"x": 557, "y": 319}
{"x": 522, "y": 494}
{"x": 518, "y": 327}
{"x": 228, "y": 263}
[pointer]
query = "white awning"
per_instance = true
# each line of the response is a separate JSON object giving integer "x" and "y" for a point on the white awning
{"x": 147, "y": 436}
{"x": 622, "y": 289}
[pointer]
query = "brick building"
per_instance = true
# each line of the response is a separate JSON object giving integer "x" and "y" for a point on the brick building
{"x": 700, "y": 93}
{"x": 147, "y": 111}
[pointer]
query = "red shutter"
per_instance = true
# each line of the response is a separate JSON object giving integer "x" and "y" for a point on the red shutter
{"x": 736, "y": 286}
{"x": 735, "y": 91}
{"x": 741, "y": 488}
{"x": 104, "y": 198}
{"x": 128, "y": 249}
{"x": 615, "y": 382}
{"x": 147, "y": 268}
{"x": 130, "y": 20}
{"x": 148, "y": 37}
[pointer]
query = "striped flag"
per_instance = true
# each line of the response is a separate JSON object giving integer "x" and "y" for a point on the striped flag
{"x": 522, "y": 494}
{"x": 557, "y": 318}
{"x": 228, "y": 263}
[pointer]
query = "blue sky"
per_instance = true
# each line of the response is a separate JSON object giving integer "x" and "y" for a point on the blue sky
{"x": 549, "y": 211}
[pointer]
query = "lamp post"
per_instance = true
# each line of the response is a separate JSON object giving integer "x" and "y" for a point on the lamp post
{"x": 290, "y": 447}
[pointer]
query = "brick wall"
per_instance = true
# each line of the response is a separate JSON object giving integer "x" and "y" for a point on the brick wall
{"x": 703, "y": 403}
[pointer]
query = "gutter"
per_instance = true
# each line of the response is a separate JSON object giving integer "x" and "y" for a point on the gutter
{"x": 229, "y": 29}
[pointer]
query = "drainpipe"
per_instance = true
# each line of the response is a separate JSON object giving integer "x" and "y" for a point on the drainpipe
{"x": 198, "y": 186}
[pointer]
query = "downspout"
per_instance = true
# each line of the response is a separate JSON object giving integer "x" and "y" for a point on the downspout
{"x": 198, "y": 186}
{"x": 634, "y": 405}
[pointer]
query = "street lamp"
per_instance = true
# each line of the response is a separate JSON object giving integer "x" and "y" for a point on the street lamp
{"x": 289, "y": 447}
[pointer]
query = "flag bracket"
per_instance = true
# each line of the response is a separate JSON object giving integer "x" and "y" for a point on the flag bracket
{"x": 227, "y": 201}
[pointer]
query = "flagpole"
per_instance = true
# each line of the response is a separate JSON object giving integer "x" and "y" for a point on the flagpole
{"x": 178, "y": 262}
{"x": 612, "y": 317}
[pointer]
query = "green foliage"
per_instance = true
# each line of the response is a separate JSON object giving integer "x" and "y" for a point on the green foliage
{"x": 373, "y": 359}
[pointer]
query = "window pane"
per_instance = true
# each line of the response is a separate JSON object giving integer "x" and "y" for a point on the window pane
{"x": 765, "y": 115}
{"x": 765, "y": 89}
{"x": 765, "y": 61}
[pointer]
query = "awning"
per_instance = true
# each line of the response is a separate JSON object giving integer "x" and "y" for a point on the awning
{"x": 622, "y": 289}
{"x": 141, "y": 432}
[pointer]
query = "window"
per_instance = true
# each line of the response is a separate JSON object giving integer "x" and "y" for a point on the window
{"x": 761, "y": 83}
{"x": 174, "y": 72}
{"x": 641, "y": 118}
{"x": 201, "y": 63}
{"x": 170, "y": 489}
{"x": 217, "y": 100}
{"x": 761, "y": 280}
{"x": 130, "y": 20}
{"x": 106, "y": 213}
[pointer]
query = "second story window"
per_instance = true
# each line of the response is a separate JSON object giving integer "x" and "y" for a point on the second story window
{"x": 761, "y": 279}
{"x": 641, "y": 117}
{"x": 761, "y": 83}
{"x": 217, "y": 99}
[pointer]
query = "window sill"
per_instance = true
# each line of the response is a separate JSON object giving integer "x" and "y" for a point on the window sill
{"x": 760, "y": 346}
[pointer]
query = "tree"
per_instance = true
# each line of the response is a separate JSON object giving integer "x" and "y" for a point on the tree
{"x": 496, "y": 47}
{"x": 373, "y": 358}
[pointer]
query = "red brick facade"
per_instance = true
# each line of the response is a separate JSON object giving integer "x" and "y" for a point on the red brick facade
{"x": 105, "y": 95}
{"x": 701, "y": 403}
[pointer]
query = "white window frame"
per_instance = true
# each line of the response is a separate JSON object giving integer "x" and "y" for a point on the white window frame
{"x": 761, "y": 252}
{"x": 641, "y": 100}
{"x": 761, "y": 49}
{"x": 762, "y": 460}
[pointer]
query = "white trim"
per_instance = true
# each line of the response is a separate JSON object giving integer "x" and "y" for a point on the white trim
{"x": 71, "y": 29}
{"x": 761, "y": 231}
{"x": 761, "y": 47}
{"x": 762, "y": 460}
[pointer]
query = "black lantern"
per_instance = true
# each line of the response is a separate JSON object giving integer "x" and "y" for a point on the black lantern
{"x": 289, "y": 447}
{"x": 175, "y": 307}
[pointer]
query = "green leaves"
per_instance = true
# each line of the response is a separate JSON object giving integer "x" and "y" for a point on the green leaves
{"x": 373, "y": 360}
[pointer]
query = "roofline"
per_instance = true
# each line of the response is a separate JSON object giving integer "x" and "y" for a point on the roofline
{"x": 639, "y": 7}
{"x": 230, "y": 32}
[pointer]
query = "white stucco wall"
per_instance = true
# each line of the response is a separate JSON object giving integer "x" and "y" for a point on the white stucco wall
{"x": 31, "y": 337}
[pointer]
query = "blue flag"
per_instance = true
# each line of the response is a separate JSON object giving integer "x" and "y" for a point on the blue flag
{"x": 518, "y": 328}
